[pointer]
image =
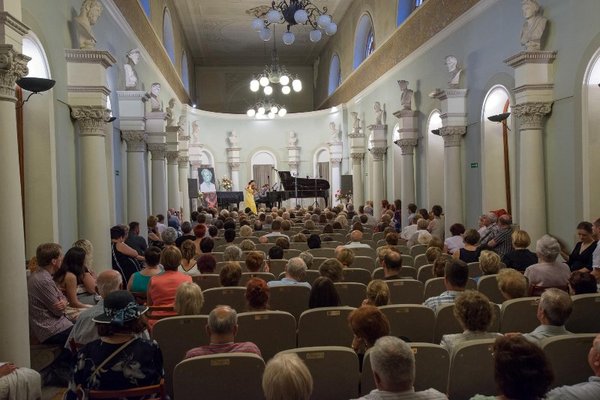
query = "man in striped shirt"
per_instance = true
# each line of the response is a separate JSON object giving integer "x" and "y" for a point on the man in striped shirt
{"x": 456, "y": 276}
{"x": 500, "y": 239}
{"x": 47, "y": 303}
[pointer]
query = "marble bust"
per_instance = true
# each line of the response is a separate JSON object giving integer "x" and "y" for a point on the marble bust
{"x": 453, "y": 71}
{"x": 195, "y": 133}
{"x": 293, "y": 139}
{"x": 233, "y": 139}
{"x": 88, "y": 16}
{"x": 334, "y": 132}
{"x": 533, "y": 27}
{"x": 378, "y": 113}
{"x": 131, "y": 79}
{"x": 355, "y": 121}
{"x": 406, "y": 96}
{"x": 152, "y": 96}
{"x": 169, "y": 112}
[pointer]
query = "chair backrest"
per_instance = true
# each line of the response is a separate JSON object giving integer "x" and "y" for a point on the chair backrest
{"x": 364, "y": 251}
{"x": 218, "y": 255}
{"x": 433, "y": 287}
{"x": 177, "y": 335}
{"x": 290, "y": 298}
{"x": 323, "y": 252}
{"x": 408, "y": 261}
{"x": 420, "y": 260}
{"x": 330, "y": 244}
{"x": 418, "y": 249}
{"x": 472, "y": 369}
{"x": 271, "y": 331}
{"x": 351, "y": 293}
{"x": 235, "y": 297}
{"x": 584, "y": 306}
{"x": 302, "y": 246}
{"x": 317, "y": 261}
{"x": 207, "y": 281}
{"x": 221, "y": 264}
{"x": 219, "y": 376}
{"x": 474, "y": 269}
{"x": 334, "y": 370}
{"x": 265, "y": 276}
{"x": 277, "y": 266}
{"x": 159, "y": 312}
{"x": 404, "y": 249}
{"x": 445, "y": 322}
{"x": 425, "y": 272}
{"x": 290, "y": 253}
{"x": 264, "y": 247}
{"x": 413, "y": 322}
{"x": 488, "y": 285}
{"x": 360, "y": 275}
{"x": 405, "y": 272}
{"x": 326, "y": 326}
{"x": 365, "y": 262}
{"x": 568, "y": 355}
{"x": 378, "y": 236}
{"x": 535, "y": 290}
{"x": 519, "y": 315}
{"x": 405, "y": 291}
{"x": 157, "y": 390}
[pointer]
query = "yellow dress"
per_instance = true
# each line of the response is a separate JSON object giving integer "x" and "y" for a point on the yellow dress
{"x": 249, "y": 199}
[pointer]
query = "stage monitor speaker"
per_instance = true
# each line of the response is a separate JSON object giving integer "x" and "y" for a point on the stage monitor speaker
{"x": 346, "y": 183}
{"x": 193, "y": 188}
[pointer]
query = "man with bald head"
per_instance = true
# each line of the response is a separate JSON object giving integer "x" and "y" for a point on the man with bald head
{"x": 355, "y": 238}
{"x": 85, "y": 330}
{"x": 222, "y": 328}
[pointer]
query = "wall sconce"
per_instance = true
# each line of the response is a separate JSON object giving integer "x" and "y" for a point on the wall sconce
{"x": 35, "y": 86}
{"x": 436, "y": 132}
{"x": 499, "y": 117}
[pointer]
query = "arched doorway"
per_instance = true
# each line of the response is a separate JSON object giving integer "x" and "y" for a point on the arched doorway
{"x": 590, "y": 140}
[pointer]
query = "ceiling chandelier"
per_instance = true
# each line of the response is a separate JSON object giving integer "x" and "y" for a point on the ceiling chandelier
{"x": 266, "y": 109}
{"x": 275, "y": 74}
{"x": 292, "y": 12}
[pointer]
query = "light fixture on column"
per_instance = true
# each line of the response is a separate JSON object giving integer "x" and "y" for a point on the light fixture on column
{"x": 35, "y": 86}
{"x": 275, "y": 74}
{"x": 435, "y": 132}
{"x": 292, "y": 12}
{"x": 499, "y": 117}
{"x": 266, "y": 109}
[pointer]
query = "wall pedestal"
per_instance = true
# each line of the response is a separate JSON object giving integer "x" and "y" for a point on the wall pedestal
{"x": 184, "y": 169}
{"x": 233, "y": 159}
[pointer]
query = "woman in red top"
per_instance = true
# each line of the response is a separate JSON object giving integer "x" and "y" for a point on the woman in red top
{"x": 163, "y": 287}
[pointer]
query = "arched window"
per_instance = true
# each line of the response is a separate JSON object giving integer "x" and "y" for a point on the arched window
{"x": 364, "y": 40}
{"x": 168, "y": 37}
{"x": 146, "y": 6}
{"x": 405, "y": 8}
{"x": 335, "y": 74}
{"x": 185, "y": 74}
{"x": 38, "y": 66}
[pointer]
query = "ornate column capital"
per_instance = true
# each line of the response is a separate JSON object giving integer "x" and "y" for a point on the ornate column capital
{"x": 91, "y": 119}
{"x": 13, "y": 66}
{"x": 136, "y": 141}
{"x": 357, "y": 156}
{"x": 172, "y": 157}
{"x": 335, "y": 161}
{"x": 235, "y": 166}
{"x": 531, "y": 114}
{"x": 158, "y": 150}
{"x": 378, "y": 153}
{"x": 183, "y": 161}
{"x": 452, "y": 135}
{"x": 407, "y": 146}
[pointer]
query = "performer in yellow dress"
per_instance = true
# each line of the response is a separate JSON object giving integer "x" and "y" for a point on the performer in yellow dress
{"x": 249, "y": 192}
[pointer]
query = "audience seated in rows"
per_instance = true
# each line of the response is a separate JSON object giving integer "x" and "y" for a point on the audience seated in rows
{"x": 548, "y": 272}
{"x": 295, "y": 272}
{"x": 511, "y": 283}
{"x": 333, "y": 269}
{"x": 188, "y": 299}
{"x": 553, "y": 311}
{"x": 469, "y": 253}
{"x": 355, "y": 241}
{"x": 520, "y": 258}
{"x": 368, "y": 324}
{"x": 257, "y": 295}
{"x": 188, "y": 258}
{"x": 456, "y": 275}
{"x": 230, "y": 274}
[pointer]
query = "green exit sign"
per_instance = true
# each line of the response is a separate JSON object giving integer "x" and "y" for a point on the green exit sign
{"x": 474, "y": 165}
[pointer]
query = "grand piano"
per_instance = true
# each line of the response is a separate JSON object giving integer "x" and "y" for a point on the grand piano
{"x": 300, "y": 188}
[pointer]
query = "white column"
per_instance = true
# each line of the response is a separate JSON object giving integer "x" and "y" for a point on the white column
{"x": 378, "y": 154}
{"x": 184, "y": 173}
{"x": 532, "y": 180}
{"x": 14, "y": 323}
{"x": 159, "y": 178}
{"x": 358, "y": 197}
{"x": 137, "y": 208}
{"x": 336, "y": 178}
{"x": 94, "y": 215}
{"x": 453, "y": 197}
{"x": 173, "y": 179}
{"x": 407, "y": 183}
{"x": 294, "y": 159}
{"x": 534, "y": 86}
{"x": 88, "y": 89}
{"x": 235, "y": 176}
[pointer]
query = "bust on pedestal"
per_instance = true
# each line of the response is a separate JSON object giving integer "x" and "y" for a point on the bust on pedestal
{"x": 88, "y": 16}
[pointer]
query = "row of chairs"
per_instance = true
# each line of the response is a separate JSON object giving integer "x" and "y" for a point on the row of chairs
{"x": 335, "y": 370}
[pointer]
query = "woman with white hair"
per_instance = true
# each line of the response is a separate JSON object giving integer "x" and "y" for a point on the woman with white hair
{"x": 548, "y": 272}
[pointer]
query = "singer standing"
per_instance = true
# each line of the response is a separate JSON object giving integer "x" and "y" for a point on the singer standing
{"x": 249, "y": 192}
